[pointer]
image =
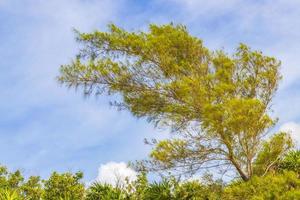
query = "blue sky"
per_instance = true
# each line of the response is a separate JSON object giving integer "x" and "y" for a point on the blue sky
{"x": 46, "y": 127}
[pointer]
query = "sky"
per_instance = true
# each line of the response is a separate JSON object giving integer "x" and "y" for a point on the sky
{"x": 46, "y": 127}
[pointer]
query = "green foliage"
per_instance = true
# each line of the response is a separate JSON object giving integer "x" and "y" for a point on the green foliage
{"x": 191, "y": 190}
{"x": 58, "y": 186}
{"x": 14, "y": 186}
{"x": 272, "y": 153}
{"x": 9, "y": 194}
{"x": 279, "y": 184}
{"x": 273, "y": 186}
{"x": 100, "y": 191}
{"x": 173, "y": 189}
{"x": 161, "y": 190}
{"x": 138, "y": 189}
{"x": 291, "y": 162}
{"x": 218, "y": 104}
{"x": 10, "y": 179}
{"x": 65, "y": 186}
{"x": 32, "y": 189}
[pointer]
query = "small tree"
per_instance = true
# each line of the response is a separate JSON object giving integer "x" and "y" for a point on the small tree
{"x": 218, "y": 104}
{"x": 32, "y": 188}
{"x": 64, "y": 186}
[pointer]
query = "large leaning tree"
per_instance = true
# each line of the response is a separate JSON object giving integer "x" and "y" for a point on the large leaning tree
{"x": 218, "y": 105}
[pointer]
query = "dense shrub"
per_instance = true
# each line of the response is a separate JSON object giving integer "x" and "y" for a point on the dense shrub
{"x": 98, "y": 191}
{"x": 173, "y": 189}
{"x": 272, "y": 186}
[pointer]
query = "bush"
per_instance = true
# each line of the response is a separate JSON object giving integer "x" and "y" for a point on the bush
{"x": 272, "y": 186}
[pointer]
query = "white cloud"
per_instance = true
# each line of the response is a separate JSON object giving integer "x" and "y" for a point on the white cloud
{"x": 115, "y": 174}
{"x": 292, "y": 128}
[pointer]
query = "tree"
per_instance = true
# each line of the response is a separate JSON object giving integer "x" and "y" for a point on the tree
{"x": 14, "y": 186}
{"x": 10, "y": 180}
{"x": 218, "y": 105}
{"x": 64, "y": 186}
{"x": 32, "y": 189}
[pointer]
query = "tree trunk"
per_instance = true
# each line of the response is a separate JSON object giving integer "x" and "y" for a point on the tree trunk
{"x": 243, "y": 175}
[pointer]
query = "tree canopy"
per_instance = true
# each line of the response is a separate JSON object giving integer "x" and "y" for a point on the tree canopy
{"x": 217, "y": 104}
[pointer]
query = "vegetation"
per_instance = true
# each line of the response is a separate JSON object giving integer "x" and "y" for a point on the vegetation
{"x": 282, "y": 183}
{"x": 281, "y": 186}
{"x": 64, "y": 186}
{"x": 291, "y": 162}
{"x": 217, "y": 104}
